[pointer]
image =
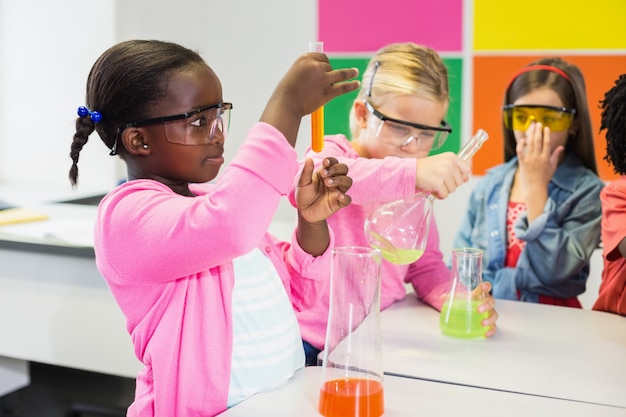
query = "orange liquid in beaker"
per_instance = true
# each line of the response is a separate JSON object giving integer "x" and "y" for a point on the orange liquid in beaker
{"x": 353, "y": 397}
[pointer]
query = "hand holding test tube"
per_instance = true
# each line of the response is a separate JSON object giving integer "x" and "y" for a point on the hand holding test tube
{"x": 317, "y": 117}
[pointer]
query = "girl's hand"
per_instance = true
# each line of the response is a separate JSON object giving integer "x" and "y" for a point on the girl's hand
{"x": 441, "y": 174}
{"x": 488, "y": 305}
{"x": 537, "y": 162}
{"x": 308, "y": 84}
{"x": 320, "y": 194}
{"x": 311, "y": 82}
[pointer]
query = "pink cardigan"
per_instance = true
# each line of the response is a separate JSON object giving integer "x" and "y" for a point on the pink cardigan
{"x": 376, "y": 181}
{"x": 167, "y": 260}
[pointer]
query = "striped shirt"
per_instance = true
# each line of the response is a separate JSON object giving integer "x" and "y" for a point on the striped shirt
{"x": 267, "y": 346}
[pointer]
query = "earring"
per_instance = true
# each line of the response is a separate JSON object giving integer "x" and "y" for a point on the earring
{"x": 145, "y": 146}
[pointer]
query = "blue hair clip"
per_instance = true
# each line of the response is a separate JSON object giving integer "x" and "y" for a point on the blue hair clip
{"x": 93, "y": 115}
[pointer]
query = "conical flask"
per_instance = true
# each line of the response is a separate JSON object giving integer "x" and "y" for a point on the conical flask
{"x": 459, "y": 315}
{"x": 400, "y": 228}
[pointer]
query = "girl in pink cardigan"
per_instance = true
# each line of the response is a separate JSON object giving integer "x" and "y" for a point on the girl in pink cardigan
{"x": 208, "y": 295}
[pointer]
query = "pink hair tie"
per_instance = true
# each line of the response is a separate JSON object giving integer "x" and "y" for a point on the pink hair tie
{"x": 540, "y": 67}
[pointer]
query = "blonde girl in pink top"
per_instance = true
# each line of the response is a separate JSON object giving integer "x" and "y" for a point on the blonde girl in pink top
{"x": 396, "y": 119}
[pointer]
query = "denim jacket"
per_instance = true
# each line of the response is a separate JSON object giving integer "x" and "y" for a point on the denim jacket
{"x": 559, "y": 243}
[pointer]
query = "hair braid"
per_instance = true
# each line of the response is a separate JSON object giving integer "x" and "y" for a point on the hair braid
{"x": 84, "y": 128}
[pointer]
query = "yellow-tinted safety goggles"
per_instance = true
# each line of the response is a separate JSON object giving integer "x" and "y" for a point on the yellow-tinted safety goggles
{"x": 520, "y": 117}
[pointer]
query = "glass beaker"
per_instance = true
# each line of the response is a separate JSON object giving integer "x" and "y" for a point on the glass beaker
{"x": 400, "y": 228}
{"x": 352, "y": 374}
{"x": 459, "y": 315}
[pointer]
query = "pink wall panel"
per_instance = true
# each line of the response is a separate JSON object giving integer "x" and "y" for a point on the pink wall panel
{"x": 357, "y": 26}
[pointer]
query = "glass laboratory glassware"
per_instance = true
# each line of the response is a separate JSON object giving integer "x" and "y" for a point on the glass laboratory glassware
{"x": 317, "y": 117}
{"x": 459, "y": 315}
{"x": 400, "y": 228}
{"x": 352, "y": 371}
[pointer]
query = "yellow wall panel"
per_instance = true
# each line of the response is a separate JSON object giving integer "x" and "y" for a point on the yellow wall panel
{"x": 549, "y": 24}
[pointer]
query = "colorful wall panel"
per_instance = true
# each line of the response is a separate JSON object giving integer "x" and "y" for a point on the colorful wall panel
{"x": 348, "y": 26}
{"x": 549, "y": 25}
{"x": 487, "y": 39}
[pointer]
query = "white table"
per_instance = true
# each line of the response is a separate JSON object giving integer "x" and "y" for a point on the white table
{"x": 14, "y": 374}
{"x": 55, "y": 307}
{"x": 414, "y": 397}
{"x": 543, "y": 350}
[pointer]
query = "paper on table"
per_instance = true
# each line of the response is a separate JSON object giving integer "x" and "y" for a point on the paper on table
{"x": 20, "y": 215}
{"x": 57, "y": 231}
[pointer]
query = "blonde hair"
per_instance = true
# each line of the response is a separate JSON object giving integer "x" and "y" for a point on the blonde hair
{"x": 401, "y": 69}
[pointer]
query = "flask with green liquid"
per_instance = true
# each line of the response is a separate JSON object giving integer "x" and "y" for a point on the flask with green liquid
{"x": 400, "y": 228}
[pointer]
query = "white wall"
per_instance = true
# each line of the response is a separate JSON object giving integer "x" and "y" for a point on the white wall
{"x": 47, "y": 49}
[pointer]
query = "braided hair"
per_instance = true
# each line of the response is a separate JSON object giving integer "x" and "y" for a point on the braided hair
{"x": 613, "y": 120}
{"x": 124, "y": 85}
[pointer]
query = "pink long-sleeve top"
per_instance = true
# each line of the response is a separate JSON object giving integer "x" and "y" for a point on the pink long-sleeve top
{"x": 167, "y": 260}
{"x": 375, "y": 181}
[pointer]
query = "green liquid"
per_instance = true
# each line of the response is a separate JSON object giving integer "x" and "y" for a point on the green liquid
{"x": 401, "y": 256}
{"x": 463, "y": 320}
{"x": 392, "y": 254}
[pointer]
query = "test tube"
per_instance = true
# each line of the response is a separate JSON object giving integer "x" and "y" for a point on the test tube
{"x": 317, "y": 117}
{"x": 470, "y": 148}
{"x": 473, "y": 145}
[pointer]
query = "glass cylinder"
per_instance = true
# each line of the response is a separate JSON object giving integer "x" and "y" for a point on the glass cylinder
{"x": 352, "y": 374}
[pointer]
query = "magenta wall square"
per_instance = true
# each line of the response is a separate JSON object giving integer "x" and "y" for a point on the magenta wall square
{"x": 365, "y": 26}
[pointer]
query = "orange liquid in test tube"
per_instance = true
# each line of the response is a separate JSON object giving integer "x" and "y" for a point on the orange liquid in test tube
{"x": 317, "y": 130}
{"x": 317, "y": 117}
{"x": 354, "y": 397}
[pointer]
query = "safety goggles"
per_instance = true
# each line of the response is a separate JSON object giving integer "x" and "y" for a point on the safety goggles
{"x": 520, "y": 117}
{"x": 402, "y": 134}
{"x": 196, "y": 127}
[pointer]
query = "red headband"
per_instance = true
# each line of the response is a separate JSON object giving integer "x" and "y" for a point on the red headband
{"x": 540, "y": 67}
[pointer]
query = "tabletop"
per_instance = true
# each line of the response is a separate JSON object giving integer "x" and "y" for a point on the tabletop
{"x": 410, "y": 397}
{"x": 544, "y": 350}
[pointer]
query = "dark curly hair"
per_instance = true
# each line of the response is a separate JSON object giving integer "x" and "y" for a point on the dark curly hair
{"x": 614, "y": 122}
{"x": 124, "y": 84}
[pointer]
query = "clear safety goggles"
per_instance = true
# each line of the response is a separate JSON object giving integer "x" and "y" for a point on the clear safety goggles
{"x": 520, "y": 117}
{"x": 403, "y": 134}
{"x": 196, "y": 127}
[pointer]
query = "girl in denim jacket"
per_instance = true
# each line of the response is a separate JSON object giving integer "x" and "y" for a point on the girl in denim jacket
{"x": 537, "y": 216}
